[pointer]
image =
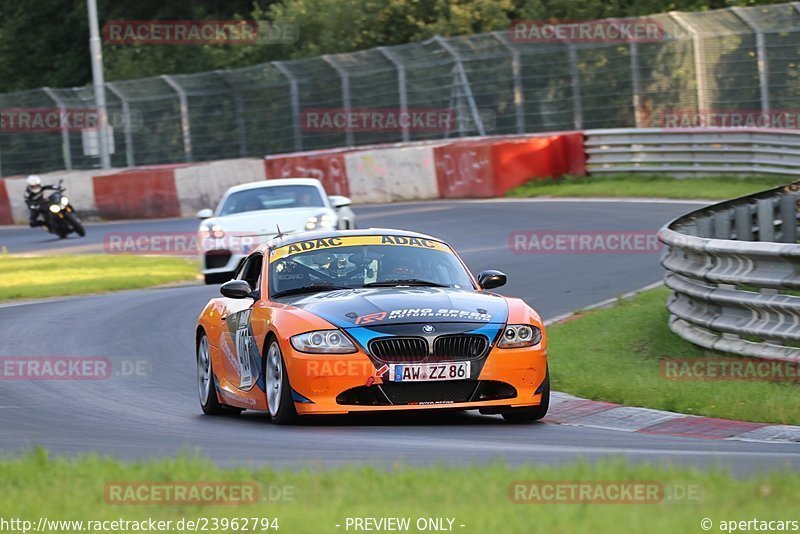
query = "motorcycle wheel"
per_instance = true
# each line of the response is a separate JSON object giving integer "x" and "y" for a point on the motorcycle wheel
{"x": 75, "y": 223}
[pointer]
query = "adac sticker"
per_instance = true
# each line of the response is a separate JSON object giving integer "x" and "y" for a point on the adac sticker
{"x": 336, "y": 242}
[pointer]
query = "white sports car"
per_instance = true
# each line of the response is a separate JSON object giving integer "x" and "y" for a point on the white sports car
{"x": 253, "y": 213}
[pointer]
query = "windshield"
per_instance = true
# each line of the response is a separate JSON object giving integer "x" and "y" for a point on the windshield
{"x": 364, "y": 261}
{"x": 273, "y": 198}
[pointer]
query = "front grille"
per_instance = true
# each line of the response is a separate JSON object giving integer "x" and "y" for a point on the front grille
{"x": 216, "y": 259}
{"x": 430, "y": 392}
{"x": 445, "y": 391}
{"x": 460, "y": 347}
{"x": 399, "y": 349}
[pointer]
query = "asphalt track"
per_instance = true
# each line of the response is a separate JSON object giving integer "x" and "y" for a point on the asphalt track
{"x": 149, "y": 406}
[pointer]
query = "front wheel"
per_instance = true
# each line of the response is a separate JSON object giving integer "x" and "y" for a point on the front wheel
{"x": 75, "y": 223}
{"x": 279, "y": 392}
{"x": 207, "y": 383}
{"x": 534, "y": 413}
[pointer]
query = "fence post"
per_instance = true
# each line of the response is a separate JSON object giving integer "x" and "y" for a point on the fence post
{"x": 401, "y": 87}
{"x": 62, "y": 110}
{"x": 699, "y": 59}
{"x": 294, "y": 95}
{"x": 636, "y": 81}
{"x": 761, "y": 51}
{"x": 185, "y": 125}
{"x": 345, "y": 78}
{"x": 462, "y": 74}
{"x": 126, "y": 119}
{"x": 516, "y": 71}
{"x": 577, "y": 103}
{"x": 237, "y": 102}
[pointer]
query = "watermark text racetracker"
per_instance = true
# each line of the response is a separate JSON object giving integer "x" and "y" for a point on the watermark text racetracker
{"x": 178, "y": 243}
{"x": 602, "y": 492}
{"x": 40, "y": 120}
{"x": 181, "y": 493}
{"x": 729, "y": 368}
{"x": 199, "y": 32}
{"x": 76, "y": 368}
{"x": 256, "y": 523}
{"x": 584, "y": 242}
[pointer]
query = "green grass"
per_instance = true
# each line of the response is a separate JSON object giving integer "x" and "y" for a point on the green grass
{"x": 54, "y": 276}
{"x": 477, "y": 497}
{"x": 614, "y": 354}
{"x": 649, "y": 186}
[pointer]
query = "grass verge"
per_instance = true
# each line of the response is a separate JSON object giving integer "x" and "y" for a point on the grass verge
{"x": 648, "y": 186}
{"x": 615, "y": 354}
{"x": 24, "y": 277}
{"x": 317, "y": 500}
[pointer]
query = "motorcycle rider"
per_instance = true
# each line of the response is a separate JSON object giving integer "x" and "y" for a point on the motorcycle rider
{"x": 34, "y": 194}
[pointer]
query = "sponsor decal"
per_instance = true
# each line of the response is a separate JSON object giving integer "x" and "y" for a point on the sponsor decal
{"x": 419, "y": 313}
{"x": 335, "y": 242}
{"x": 370, "y": 318}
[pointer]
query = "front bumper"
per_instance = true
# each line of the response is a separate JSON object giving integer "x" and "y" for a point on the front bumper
{"x": 340, "y": 384}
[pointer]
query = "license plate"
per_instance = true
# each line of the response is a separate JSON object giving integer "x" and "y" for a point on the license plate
{"x": 428, "y": 372}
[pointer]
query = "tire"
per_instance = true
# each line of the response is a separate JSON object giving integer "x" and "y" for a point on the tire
{"x": 279, "y": 391}
{"x": 207, "y": 383}
{"x": 75, "y": 222}
{"x": 534, "y": 413}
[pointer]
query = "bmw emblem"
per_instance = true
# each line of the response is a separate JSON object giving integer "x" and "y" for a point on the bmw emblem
{"x": 428, "y": 329}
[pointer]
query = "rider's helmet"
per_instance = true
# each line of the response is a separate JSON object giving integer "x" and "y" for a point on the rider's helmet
{"x": 34, "y": 183}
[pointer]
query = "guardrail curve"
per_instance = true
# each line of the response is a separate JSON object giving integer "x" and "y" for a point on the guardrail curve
{"x": 734, "y": 272}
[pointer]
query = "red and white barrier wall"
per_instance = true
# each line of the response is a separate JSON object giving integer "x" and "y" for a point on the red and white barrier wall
{"x": 485, "y": 167}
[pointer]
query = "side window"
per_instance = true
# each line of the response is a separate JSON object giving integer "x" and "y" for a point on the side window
{"x": 251, "y": 270}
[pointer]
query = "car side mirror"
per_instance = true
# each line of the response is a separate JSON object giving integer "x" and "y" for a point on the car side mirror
{"x": 338, "y": 201}
{"x": 205, "y": 214}
{"x": 491, "y": 279}
{"x": 236, "y": 289}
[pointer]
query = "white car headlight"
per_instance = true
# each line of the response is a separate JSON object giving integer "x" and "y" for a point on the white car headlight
{"x": 324, "y": 220}
{"x": 519, "y": 335}
{"x": 55, "y": 208}
{"x": 323, "y": 342}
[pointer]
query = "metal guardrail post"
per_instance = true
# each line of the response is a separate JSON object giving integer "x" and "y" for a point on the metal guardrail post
{"x": 345, "y": 80}
{"x": 130, "y": 161}
{"x": 66, "y": 149}
{"x": 699, "y": 58}
{"x": 761, "y": 52}
{"x": 186, "y": 128}
{"x": 516, "y": 71}
{"x": 294, "y": 96}
{"x": 462, "y": 74}
{"x": 577, "y": 103}
{"x": 402, "y": 91}
{"x": 241, "y": 128}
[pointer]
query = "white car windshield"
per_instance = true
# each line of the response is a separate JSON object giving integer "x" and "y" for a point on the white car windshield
{"x": 273, "y": 198}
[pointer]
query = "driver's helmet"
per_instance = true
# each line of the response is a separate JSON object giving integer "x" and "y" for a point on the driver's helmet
{"x": 34, "y": 183}
{"x": 396, "y": 265}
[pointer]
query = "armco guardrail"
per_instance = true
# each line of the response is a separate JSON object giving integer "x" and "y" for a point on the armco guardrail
{"x": 734, "y": 272}
{"x": 686, "y": 151}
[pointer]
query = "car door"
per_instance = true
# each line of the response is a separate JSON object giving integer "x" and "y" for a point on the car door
{"x": 242, "y": 360}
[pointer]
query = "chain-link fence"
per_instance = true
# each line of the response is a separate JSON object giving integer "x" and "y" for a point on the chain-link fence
{"x": 731, "y": 59}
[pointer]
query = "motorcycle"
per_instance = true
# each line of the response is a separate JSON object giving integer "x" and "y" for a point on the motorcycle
{"x": 59, "y": 215}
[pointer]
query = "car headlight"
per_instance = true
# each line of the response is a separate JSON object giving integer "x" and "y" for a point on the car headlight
{"x": 324, "y": 220}
{"x": 55, "y": 208}
{"x": 215, "y": 231}
{"x": 323, "y": 342}
{"x": 64, "y": 201}
{"x": 520, "y": 335}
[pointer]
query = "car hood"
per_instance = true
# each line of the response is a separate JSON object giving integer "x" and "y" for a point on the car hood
{"x": 381, "y": 307}
{"x": 265, "y": 222}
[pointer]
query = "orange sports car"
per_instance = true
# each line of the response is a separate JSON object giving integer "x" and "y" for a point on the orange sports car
{"x": 337, "y": 322}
